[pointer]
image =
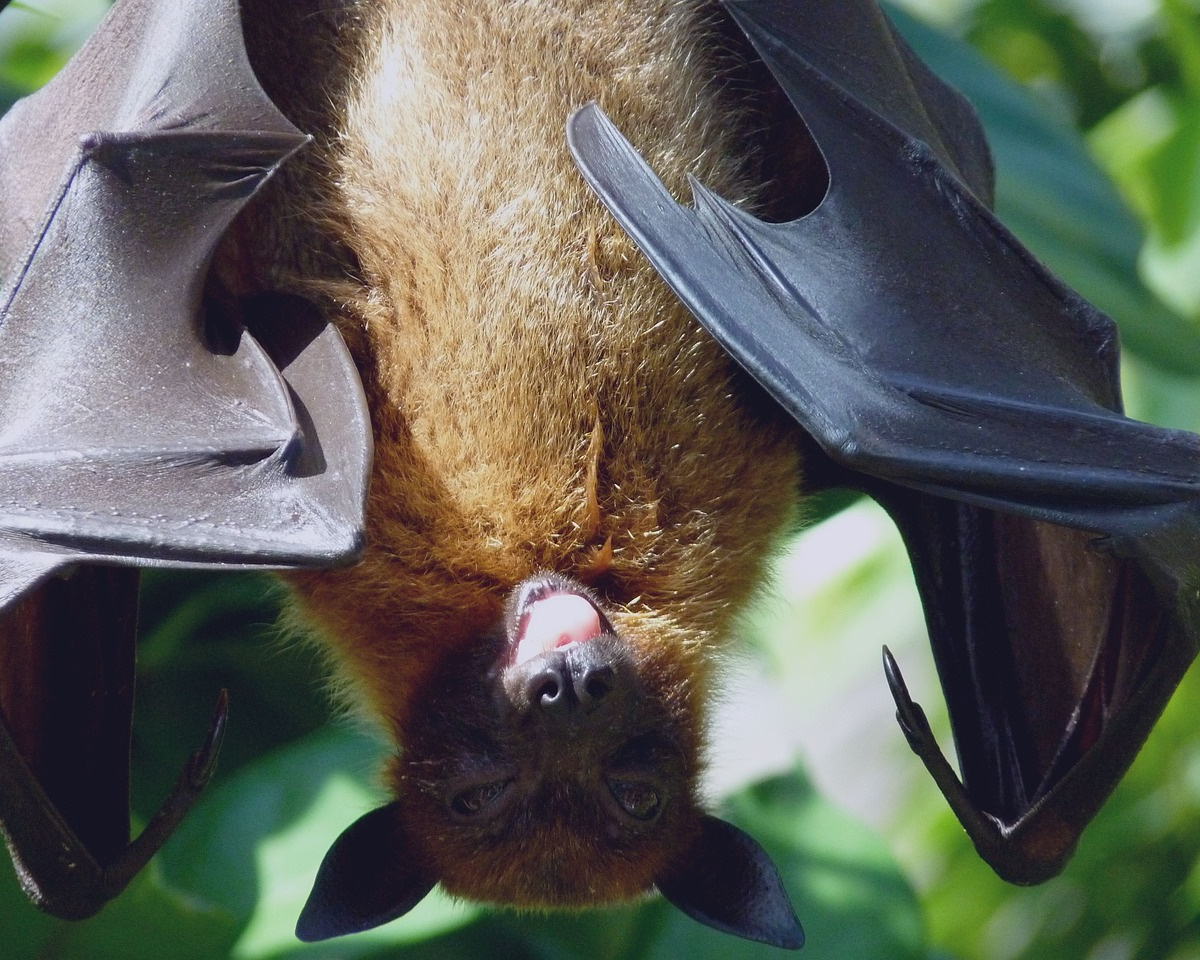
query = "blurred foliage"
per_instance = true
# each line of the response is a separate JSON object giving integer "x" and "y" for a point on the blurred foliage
{"x": 1072, "y": 106}
{"x": 38, "y": 38}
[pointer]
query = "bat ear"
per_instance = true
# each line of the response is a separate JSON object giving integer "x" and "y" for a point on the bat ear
{"x": 369, "y": 876}
{"x": 728, "y": 882}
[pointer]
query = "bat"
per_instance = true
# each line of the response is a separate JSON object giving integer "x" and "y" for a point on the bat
{"x": 546, "y": 587}
{"x": 538, "y": 716}
{"x": 574, "y": 487}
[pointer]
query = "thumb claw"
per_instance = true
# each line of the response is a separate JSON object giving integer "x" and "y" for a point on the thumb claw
{"x": 910, "y": 716}
{"x": 203, "y": 763}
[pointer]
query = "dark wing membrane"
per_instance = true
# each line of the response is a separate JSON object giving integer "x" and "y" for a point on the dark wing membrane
{"x": 974, "y": 395}
{"x": 139, "y": 424}
{"x": 130, "y": 431}
{"x": 853, "y": 51}
{"x": 844, "y": 314}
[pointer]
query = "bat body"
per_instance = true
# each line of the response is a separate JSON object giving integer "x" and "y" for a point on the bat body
{"x": 560, "y": 451}
{"x": 540, "y": 401}
{"x": 575, "y": 486}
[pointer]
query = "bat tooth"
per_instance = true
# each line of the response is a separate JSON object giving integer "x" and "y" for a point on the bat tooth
{"x": 530, "y": 593}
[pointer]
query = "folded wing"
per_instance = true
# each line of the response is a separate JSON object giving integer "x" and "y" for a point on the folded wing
{"x": 1055, "y": 542}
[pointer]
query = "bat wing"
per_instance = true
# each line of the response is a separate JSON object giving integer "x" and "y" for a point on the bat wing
{"x": 1056, "y": 543}
{"x": 134, "y": 428}
{"x": 140, "y": 423}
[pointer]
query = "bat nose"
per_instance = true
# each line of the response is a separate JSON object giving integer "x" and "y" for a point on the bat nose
{"x": 566, "y": 685}
{"x": 559, "y": 686}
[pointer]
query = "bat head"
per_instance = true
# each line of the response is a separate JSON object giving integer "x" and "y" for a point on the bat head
{"x": 554, "y": 765}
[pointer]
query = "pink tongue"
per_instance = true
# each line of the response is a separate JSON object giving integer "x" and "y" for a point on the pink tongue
{"x": 556, "y": 621}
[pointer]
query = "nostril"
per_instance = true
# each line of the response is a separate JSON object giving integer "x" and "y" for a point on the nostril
{"x": 598, "y": 683}
{"x": 566, "y": 687}
{"x": 548, "y": 692}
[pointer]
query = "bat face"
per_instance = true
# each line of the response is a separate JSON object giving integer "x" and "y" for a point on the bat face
{"x": 548, "y": 768}
{"x": 552, "y": 764}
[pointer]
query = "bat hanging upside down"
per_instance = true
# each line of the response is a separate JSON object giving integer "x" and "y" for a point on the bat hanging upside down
{"x": 575, "y": 488}
{"x": 575, "y": 485}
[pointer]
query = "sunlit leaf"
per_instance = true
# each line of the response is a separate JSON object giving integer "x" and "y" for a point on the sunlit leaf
{"x": 149, "y": 921}
{"x": 253, "y": 845}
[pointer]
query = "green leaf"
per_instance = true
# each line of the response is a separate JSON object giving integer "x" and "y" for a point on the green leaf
{"x": 1042, "y": 45}
{"x": 149, "y": 921}
{"x": 253, "y": 845}
{"x": 37, "y": 38}
{"x": 202, "y": 632}
{"x": 1152, "y": 146}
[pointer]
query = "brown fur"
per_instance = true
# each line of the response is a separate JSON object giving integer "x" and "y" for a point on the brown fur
{"x": 540, "y": 399}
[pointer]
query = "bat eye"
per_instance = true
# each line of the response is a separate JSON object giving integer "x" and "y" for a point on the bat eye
{"x": 478, "y": 798}
{"x": 638, "y": 799}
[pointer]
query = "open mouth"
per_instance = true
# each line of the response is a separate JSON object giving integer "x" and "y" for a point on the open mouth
{"x": 550, "y": 613}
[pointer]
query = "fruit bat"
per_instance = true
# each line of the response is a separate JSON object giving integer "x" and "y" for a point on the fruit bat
{"x": 573, "y": 487}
